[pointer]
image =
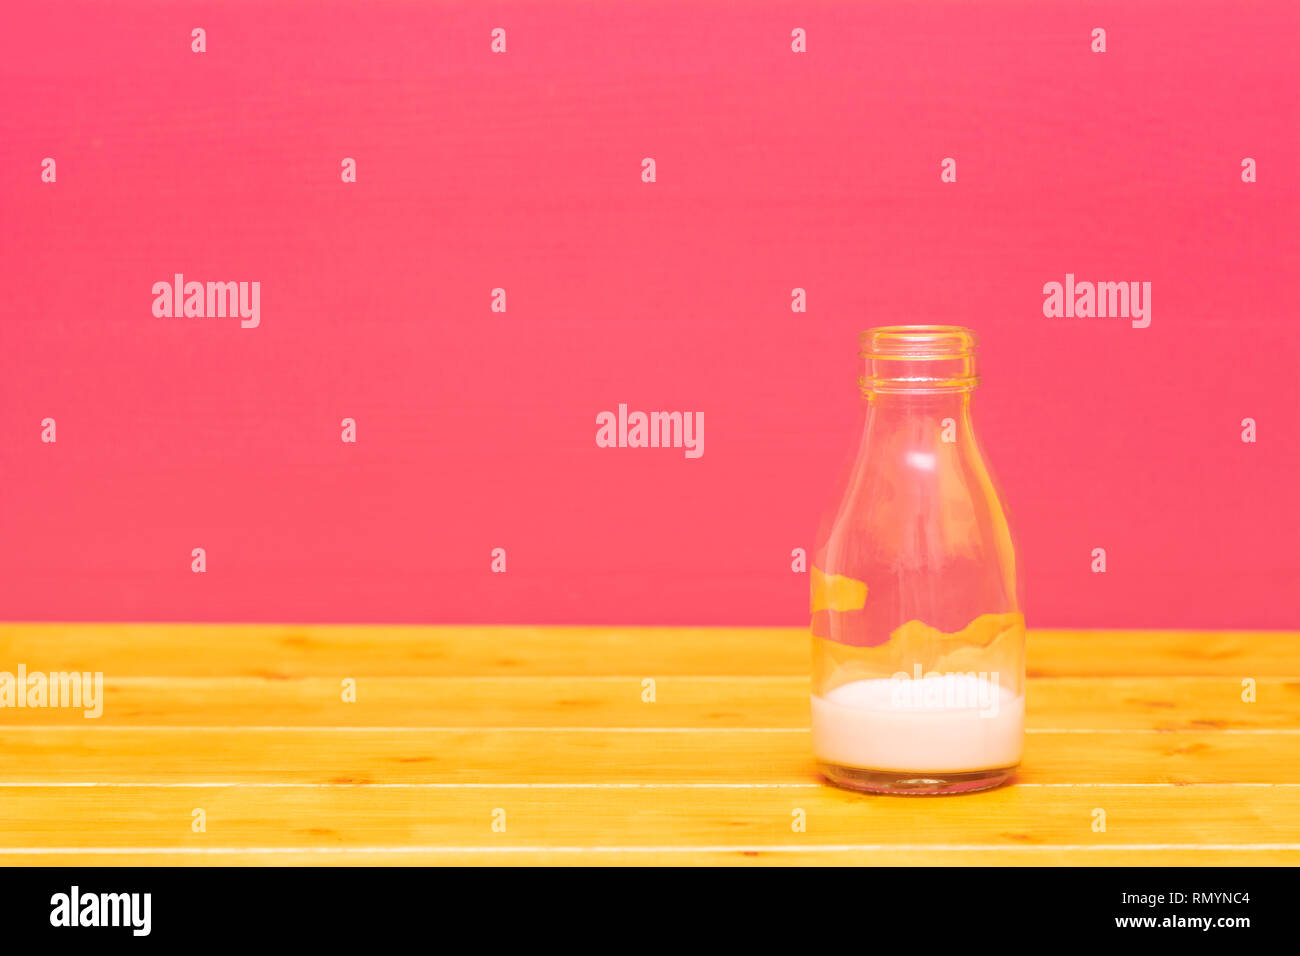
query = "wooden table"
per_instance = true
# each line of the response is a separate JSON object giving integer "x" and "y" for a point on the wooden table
{"x": 495, "y": 745}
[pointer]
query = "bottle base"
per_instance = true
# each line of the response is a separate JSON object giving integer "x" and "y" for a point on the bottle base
{"x": 914, "y": 783}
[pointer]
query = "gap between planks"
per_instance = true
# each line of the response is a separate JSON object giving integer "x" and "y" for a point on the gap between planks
{"x": 438, "y": 785}
{"x": 756, "y": 848}
{"x": 459, "y": 728}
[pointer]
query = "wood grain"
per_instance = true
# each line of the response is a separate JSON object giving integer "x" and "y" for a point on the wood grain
{"x": 280, "y": 651}
{"x": 712, "y": 701}
{"x": 548, "y": 726}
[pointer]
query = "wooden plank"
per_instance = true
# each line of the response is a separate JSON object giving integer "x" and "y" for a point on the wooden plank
{"x": 703, "y": 702}
{"x": 547, "y": 755}
{"x": 1162, "y": 703}
{"x": 604, "y": 825}
{"x": 1234, "y": 655}
{"x": 278, "y": 651}
{"x": 1070, "y": 855}
{"x": 549, "y": 724}
{"x": 145, "y": 816}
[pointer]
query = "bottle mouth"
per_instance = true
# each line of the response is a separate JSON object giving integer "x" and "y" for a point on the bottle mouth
{"x": 918, "y": 358}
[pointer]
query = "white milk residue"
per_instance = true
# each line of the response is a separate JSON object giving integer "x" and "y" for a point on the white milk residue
{"x": 941, "y": 723}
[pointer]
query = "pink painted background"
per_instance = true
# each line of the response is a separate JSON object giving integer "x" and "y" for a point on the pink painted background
{"x": 775, "y": 170}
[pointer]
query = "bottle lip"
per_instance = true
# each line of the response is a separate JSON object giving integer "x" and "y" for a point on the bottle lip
{"x": 917, "y": 342}
{"x": 918, "y": 358}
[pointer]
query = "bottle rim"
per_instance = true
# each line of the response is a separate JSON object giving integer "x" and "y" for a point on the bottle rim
{"x": 918, "y": 358}
{"x": 917, "y": 341}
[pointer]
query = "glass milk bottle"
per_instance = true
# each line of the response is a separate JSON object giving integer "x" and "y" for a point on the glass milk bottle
{"x": 918, "y": 637}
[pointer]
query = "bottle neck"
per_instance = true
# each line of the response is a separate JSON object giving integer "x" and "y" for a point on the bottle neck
{"x": 916, "y": 428}
{"x": 920, "y": 401}
{"x": 918, "y": 382}
{"x": 921, "y": 405}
